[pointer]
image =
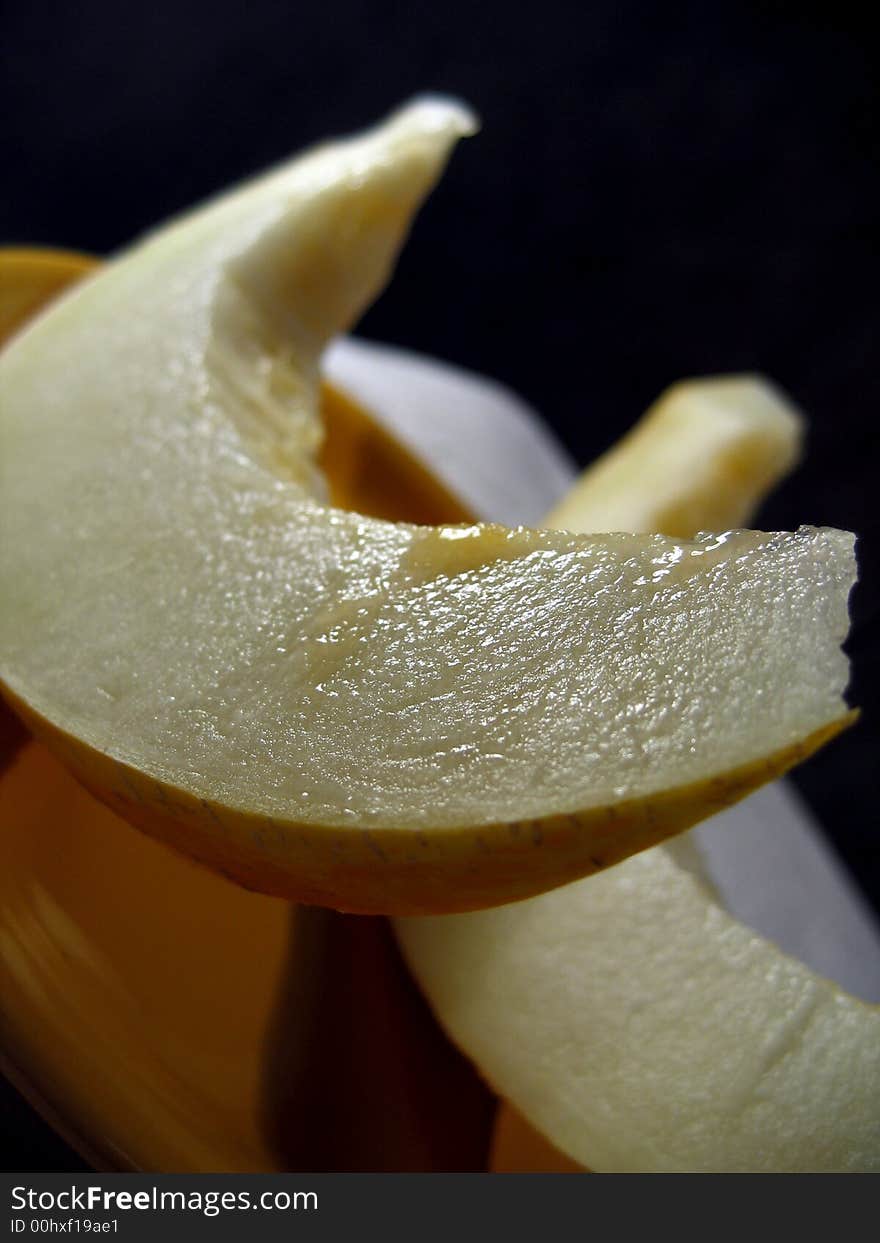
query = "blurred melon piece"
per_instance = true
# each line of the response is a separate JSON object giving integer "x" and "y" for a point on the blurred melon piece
{"x": 706, "y": 448}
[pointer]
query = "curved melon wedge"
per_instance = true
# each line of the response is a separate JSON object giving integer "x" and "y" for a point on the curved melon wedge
{"x": 363, "y": 714}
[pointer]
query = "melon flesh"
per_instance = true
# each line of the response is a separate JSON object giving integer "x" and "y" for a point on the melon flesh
{"x": 641, "y": 1028}
{"x": 342, "y": 710}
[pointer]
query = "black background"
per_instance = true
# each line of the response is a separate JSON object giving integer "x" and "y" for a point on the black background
{"x": 659, "y": 190}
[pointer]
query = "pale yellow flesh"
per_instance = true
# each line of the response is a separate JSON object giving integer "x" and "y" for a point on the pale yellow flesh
{"x": 706, "y": 448}
{"x": 628, "y": 1017}
{"x": 640, "y": 1028}
{"x": 342, "y": 710}
{"x": 366, "y": 468}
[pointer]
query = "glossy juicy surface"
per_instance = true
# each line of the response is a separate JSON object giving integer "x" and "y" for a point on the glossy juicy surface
{"x": 220, "y": 653}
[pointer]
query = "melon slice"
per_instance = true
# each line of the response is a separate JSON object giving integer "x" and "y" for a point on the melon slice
{"x": 341, "y": 710}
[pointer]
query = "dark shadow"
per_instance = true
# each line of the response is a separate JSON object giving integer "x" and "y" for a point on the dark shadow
{"x": 358, "y": 1075}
